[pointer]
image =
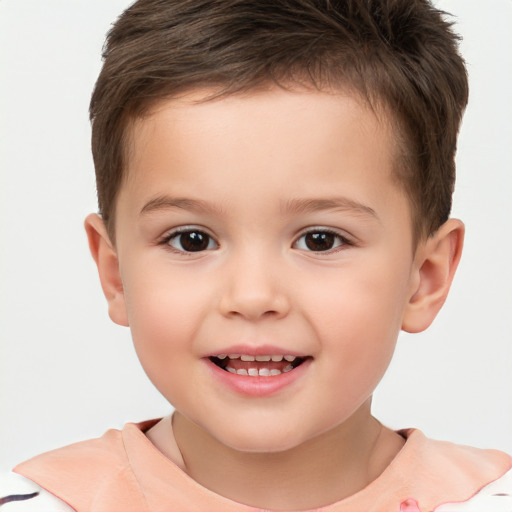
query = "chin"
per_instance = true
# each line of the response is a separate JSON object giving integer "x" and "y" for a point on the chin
{"x": 261, "y": 445}
{"x": 262, "y": 439}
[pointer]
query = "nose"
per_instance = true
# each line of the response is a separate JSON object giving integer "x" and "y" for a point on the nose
{"x": 254, "y": 289}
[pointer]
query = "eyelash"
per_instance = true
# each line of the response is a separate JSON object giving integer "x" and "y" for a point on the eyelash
{"x": 175, "y": 234}
{"x": 341, "y": 240}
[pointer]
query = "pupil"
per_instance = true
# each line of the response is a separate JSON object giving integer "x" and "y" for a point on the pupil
{"x": 319, "y": 241}
{"x": 194, "y": 241}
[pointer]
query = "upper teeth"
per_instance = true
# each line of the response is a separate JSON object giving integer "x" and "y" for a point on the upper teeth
{"x": 246, "y": 357}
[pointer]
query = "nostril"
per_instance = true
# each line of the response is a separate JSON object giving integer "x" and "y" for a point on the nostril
{"x": 253, "y": 301}
{"x": 253, "y": 313}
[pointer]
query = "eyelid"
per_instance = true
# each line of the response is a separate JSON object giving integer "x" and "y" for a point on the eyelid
{"x": 346, "y": 239}
{"x": 174, "y": 232}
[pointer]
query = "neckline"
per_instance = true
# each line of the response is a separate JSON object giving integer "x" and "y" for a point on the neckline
{"x": 364, "y": 499}
{"x": 124, "y": 466}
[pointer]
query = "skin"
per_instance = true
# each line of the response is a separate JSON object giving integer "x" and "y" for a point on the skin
{"x": 259, "y": 171}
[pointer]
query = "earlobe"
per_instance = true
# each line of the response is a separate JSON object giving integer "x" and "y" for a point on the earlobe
{"x": 105, "y": 256}
{"x": 434, "y": 267}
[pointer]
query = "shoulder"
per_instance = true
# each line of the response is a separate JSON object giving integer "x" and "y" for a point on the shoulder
{"x": 448, "y": 477}
{"x": 94, "y": 471}
{"x": 494, "y": 497}
{"x": 92, "y": 460}
{"x": 454, "y": 460}
{"x": 19, "y": 494}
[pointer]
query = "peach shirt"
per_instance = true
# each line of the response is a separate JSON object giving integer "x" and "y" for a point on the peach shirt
{"x": 123, "y": 472}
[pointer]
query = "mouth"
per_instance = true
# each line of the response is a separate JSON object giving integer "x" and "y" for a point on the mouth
{"x": 257, "y": 366}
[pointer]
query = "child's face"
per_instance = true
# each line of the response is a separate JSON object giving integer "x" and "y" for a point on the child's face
{"x": 270, "y": 225}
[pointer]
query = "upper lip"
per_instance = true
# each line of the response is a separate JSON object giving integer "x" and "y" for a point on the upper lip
{"x": 256, "y": 350}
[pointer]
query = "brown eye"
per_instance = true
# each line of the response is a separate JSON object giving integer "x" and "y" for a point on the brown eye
{"x": 319, "y": 241}
{"x": 192, "y": 241}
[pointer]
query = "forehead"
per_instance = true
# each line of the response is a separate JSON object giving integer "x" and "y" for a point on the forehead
{"x": 276, "y": 140}
{"x": 254, "y": 118}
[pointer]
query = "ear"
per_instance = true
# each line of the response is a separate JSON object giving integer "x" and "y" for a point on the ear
{"x": 105, "y": 256}
{"x": 435, "y": 263}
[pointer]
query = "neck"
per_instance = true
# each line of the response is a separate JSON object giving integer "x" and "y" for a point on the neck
{"x": 319, "y": 472}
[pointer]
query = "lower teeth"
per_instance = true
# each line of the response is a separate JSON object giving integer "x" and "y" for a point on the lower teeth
{"x": 262, "y": 372}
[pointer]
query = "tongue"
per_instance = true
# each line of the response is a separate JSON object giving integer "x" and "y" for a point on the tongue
{"x": 238, "y": 364}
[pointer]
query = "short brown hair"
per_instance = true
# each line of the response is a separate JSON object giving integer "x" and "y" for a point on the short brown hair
{"x": 399, "y": 54}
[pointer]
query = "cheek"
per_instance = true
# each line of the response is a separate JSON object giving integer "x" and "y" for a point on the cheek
{"x": 158, "y": 298}
{"x": 361, "y": 302}
{"x": 164, "y": 313}
{"x": 358, "y": 319}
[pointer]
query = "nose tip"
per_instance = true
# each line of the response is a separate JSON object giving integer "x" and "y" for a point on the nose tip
{"x": 254, "y": 294}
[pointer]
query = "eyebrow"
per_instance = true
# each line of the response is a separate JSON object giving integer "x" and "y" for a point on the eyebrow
{"x": 293, "y": 206}
{"x": 162, "y": 203}
{"x": 333, "y": 203}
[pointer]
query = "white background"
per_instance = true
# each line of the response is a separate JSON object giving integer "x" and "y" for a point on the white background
{"x": 67, "y": 373}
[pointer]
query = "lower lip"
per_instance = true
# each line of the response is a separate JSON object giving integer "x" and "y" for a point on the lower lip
{"x": 258, "y": 386}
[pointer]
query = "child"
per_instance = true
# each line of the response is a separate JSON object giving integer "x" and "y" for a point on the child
{"x": 275, "y": 182}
